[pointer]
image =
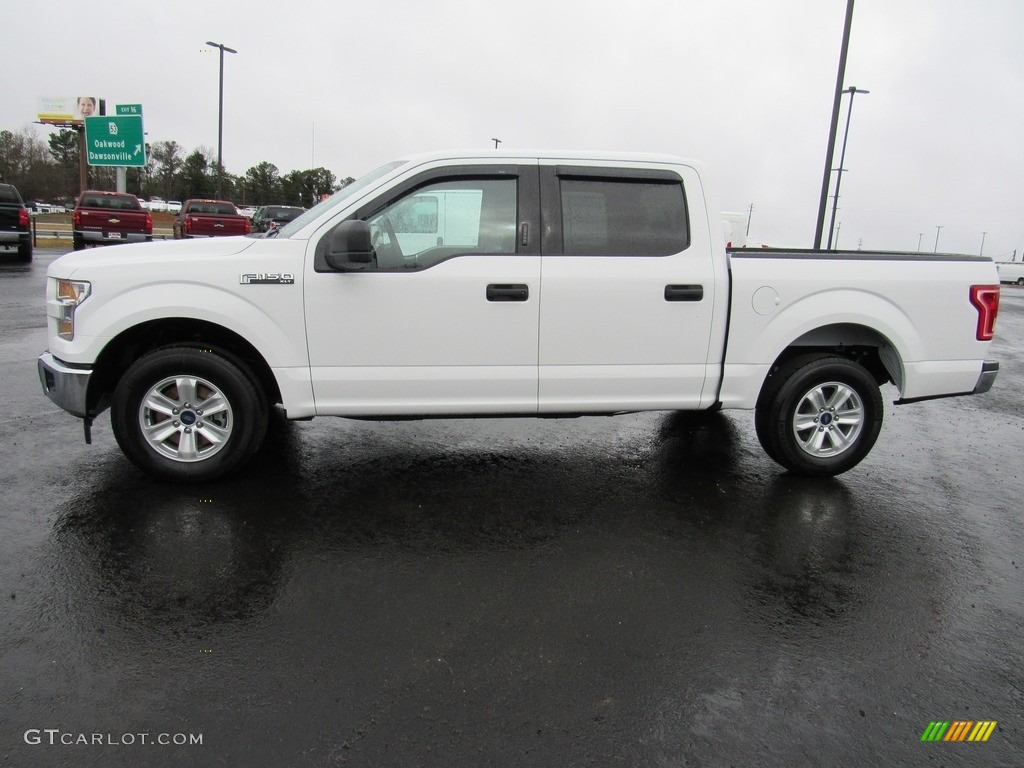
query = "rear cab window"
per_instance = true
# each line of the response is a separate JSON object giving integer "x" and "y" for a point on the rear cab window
{"x": 9, "y": 195}
{"x": 615, "y": 212}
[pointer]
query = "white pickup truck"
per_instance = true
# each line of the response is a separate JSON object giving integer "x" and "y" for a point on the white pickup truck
{"x": 487, "y": 284}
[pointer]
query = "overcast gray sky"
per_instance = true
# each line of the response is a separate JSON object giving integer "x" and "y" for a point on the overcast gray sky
{"x": 744, "y": 85}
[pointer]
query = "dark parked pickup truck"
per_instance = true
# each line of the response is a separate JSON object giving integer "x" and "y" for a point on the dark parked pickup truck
{"x": 103, "y": 218}
{"x": 270, "y": 216}
{"x": 210, "y": 218}
{"x": 14, "y": 222}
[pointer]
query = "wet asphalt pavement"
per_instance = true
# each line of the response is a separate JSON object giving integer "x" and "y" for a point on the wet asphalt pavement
{"x": 645, "y": 590}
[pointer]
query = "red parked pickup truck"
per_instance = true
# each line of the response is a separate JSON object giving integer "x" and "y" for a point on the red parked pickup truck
{"x": 103, "y": 218}
{"x": 209, "y": 218}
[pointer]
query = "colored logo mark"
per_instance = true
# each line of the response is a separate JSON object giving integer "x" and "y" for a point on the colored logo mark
{"x": 959, "y": 730}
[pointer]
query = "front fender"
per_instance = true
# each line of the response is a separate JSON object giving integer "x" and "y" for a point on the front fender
{"x": 274, "y": 325}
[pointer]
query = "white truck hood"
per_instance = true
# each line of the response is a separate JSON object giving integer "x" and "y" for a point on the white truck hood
{"x": 134, "y": 254}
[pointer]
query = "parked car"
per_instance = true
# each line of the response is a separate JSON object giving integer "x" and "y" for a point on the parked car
{"x": 209, "y": 218}
{"x": 103, "y": 218}
{"x": 15, "y": 228}
{"x": 157, "y": 205}
{"x": 270, "y": 216}
{"x": 174, "y": 206}
{"x": 38, "y": 206}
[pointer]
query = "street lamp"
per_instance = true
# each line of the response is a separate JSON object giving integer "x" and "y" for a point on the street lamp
{"x": 938, "y": 229}
{"x": 220, "y": 118}
{"x": 842, "y": 158}
{"x": 833, "y": 126}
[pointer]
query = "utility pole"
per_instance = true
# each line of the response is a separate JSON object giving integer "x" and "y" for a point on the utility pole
{"x": 937, "y": 228}
{"x": 220, "y": 119}
{"x": 750, "y": 212}
{"x": 830, "y": 152}
{"x": 982, "y": 251}
{"x": 919, "y": 237}
{"x": 853, "y": 91}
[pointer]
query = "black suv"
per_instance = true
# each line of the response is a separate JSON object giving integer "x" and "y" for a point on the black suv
{"x": 271, "y": 216}
{"x": 14, "y": 222}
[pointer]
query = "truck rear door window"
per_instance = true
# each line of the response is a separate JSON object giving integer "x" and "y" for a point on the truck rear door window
{"x": 612, "y": 217}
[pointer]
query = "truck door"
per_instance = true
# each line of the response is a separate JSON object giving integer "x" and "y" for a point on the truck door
{"x": 629, "y": 289}
{"x": 445, "y": 319}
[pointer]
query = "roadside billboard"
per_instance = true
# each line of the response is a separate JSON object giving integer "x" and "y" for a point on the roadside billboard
{"x": 68, "y": 110}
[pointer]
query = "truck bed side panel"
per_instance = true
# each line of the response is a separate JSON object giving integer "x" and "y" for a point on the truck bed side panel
{"x": 919, "y": 305}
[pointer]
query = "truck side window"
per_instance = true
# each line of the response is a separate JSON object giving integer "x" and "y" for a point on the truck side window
{"x": 445, "y": 219}
{"x": 603, "y": 217}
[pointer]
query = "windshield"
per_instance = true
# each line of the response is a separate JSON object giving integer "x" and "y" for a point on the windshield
{"x": 337, "y": 199}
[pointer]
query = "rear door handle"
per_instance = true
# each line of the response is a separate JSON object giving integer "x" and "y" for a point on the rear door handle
{"x": 684, "y": 292}
{"x": 508, "y": 292}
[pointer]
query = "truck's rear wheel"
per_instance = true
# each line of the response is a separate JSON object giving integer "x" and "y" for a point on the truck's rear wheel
{"x": 819, "y": 415}
{"x": 185, "y": 414}
{"x": 25, "y": 251}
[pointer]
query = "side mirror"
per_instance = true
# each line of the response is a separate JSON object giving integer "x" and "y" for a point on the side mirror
{"x": 349, "y": 248}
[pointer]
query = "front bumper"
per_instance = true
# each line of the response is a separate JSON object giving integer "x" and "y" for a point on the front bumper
{"x": 65, "y": 386}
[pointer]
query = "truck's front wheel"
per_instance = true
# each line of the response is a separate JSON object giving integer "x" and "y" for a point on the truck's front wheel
{"x": 819, "y": 415}
{"x": 186, "y": 414}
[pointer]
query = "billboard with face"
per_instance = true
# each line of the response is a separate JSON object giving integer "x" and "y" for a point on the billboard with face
{"x": 68, "y": 110}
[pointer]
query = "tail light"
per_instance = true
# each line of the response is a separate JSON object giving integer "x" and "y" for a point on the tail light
{"x": 248, "y": 227}
{"x": 149, "y": 222}
{"x": 188, "y": 224}
{"x": 23, "y": 217}
{"x": 985, "y": 299}
{"x": 78, "y": 218}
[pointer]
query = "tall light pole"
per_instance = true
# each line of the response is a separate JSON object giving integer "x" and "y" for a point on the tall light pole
{"x": 853, "y": 91}
{"x": 819, "y": 223}
{"x": 220, "y": 118}
{"x": 938, "y": 228}
{"x": 982, "y": 251}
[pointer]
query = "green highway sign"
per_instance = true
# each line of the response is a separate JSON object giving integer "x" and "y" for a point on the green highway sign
{"x": 129, "y": 109}
{"x": 115, "y": 140}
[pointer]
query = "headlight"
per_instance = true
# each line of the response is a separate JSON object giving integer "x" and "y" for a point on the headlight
{"x": 70, "y": 293}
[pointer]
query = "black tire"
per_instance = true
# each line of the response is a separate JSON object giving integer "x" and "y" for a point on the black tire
{"x": 79, "y": 243}
{"x": 825, "y": 443}
{"x": 1020, "y": 281}
{"x": 25, "y": 251}
{"x": 181, "y": 450}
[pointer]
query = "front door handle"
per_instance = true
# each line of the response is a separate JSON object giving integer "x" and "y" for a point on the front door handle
{"x": 684, "y": 292}
{"x": 508, "y": 292}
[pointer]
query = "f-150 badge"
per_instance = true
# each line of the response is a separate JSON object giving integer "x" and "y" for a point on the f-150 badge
{"x": 267, "y": 278}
